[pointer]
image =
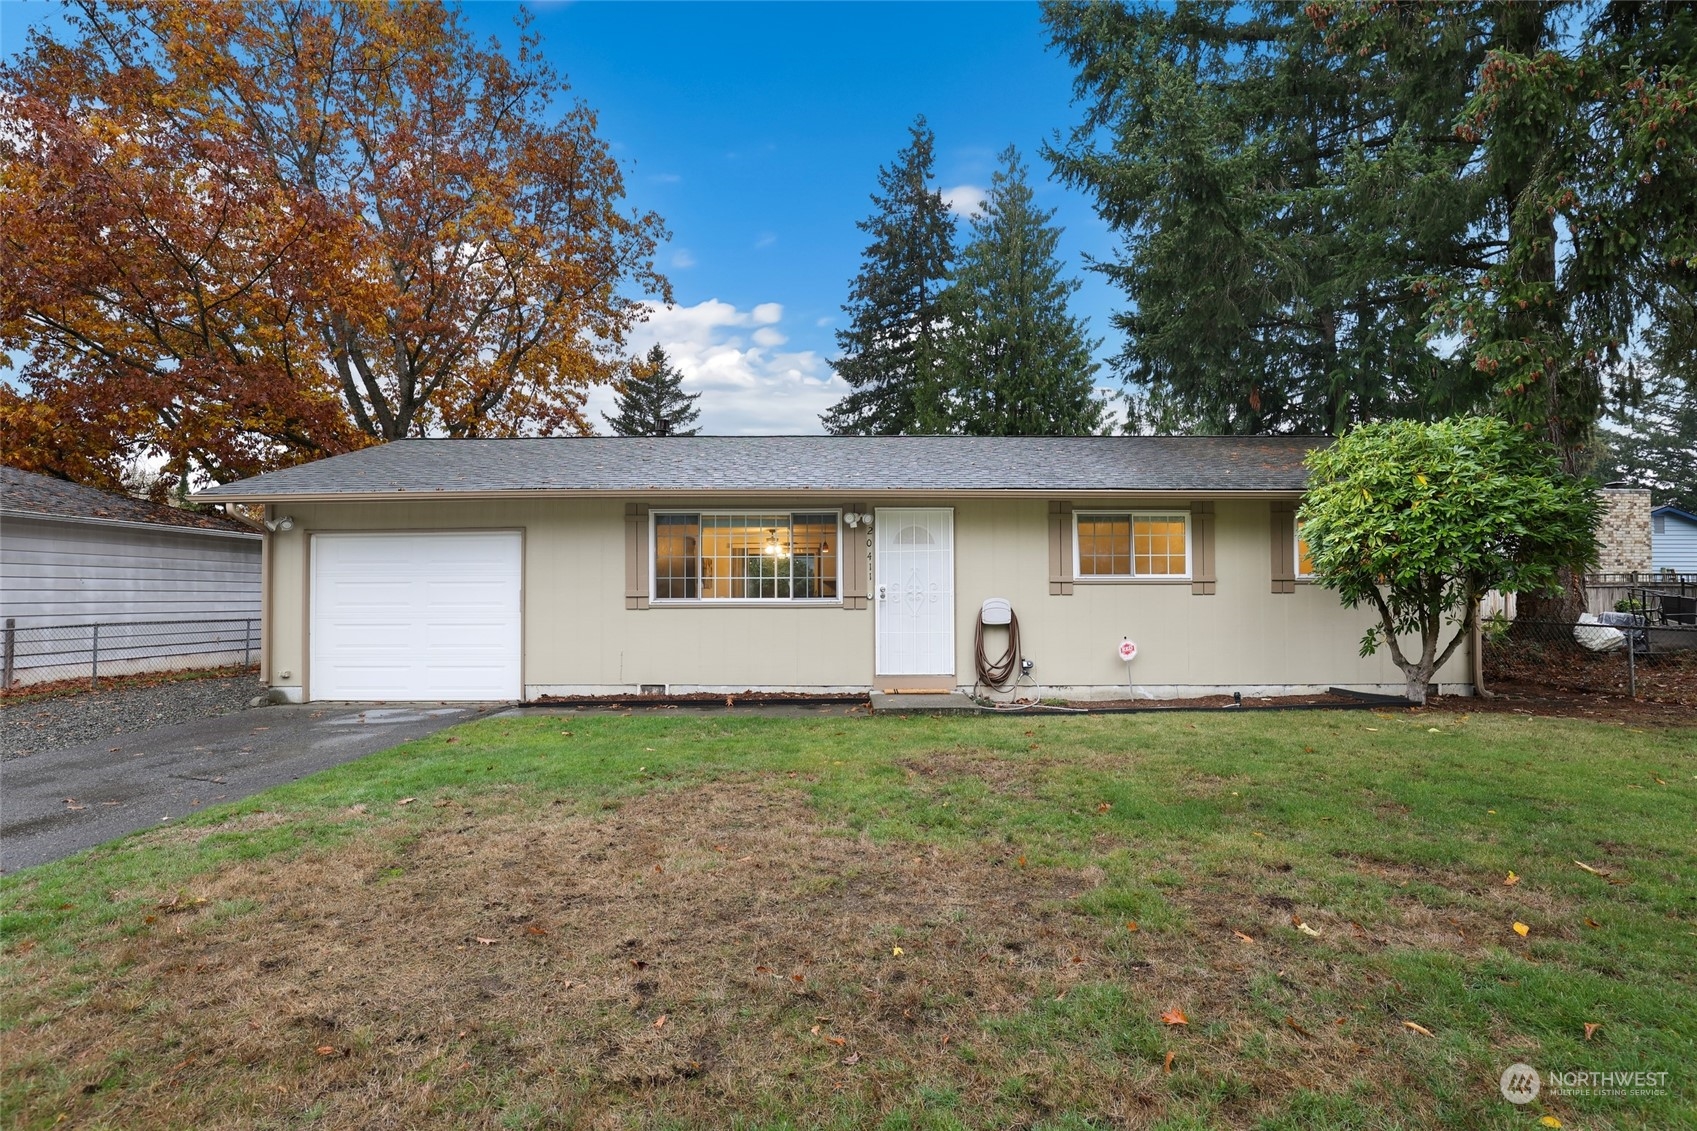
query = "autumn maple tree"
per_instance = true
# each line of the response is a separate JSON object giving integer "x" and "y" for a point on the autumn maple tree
{"x": 243, "y": 236}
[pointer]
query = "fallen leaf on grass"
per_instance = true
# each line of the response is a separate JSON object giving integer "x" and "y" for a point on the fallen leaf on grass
{"x": 1511, "y": 881}
{"x": 838, "y": 1041}
{"x": 406, "y": 801}
{"x": 896, "y": 950}
{"x": 1590, "y": 922}
{"x": 1588, "y": 868}
{"x": 325, "y": 1050}
{"x": 660, "y": 1022}
{"x": 852, "y": 1059}
{"x": 1168, "y": 1064}
{"x": 1291, "y": 1021}
{"x": 1243, "y": 937}
{"x": 1130, "y": 926}
{"x": 1521, "y": 929}
{"x": 1550, "y": 1121}
{"x": 1591, "y": 1028}
{"x": 484, "y": 941}
{"x": 1304, "y": 927}
{"x": 1175, "y": 1017}
{"x": 533, "y": 929}
{"x": 1418, "y": 1028}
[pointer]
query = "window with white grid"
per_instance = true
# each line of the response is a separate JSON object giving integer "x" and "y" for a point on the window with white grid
{"x": 1132, "y": 544}
{"x": 746, "y": 556}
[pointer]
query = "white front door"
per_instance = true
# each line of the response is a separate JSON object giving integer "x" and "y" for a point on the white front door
{"x": 914, "y": 582}
{"x": 416, "y": 616}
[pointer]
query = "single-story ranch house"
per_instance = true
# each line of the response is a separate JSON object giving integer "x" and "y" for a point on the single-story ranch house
{"x": 507, "y": 569}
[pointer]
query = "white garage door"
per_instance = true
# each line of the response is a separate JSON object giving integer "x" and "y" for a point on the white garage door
{"x": 416, "y": 616}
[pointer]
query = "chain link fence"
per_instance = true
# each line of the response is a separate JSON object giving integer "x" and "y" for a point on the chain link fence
{"x": 51, "y": 653}
{"x": 1615, "y": 653}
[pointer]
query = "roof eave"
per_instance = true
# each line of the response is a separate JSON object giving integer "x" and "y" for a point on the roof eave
{"x": 130, "y": 524}
{"x": 744, "y": 492}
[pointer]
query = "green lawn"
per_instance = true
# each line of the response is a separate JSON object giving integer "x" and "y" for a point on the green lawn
{"x": 683, "y": 921}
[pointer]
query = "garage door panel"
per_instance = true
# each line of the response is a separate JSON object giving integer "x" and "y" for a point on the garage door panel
{"x": 348, "y": 593}
{"x": 416, "y": 616}
{"x": 471, "y": 595}
{"x": 369, "y": 637}
{"x": 466, "y": 637}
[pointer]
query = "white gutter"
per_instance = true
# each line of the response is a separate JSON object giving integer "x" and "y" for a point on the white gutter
{"x": 759, "y": 492}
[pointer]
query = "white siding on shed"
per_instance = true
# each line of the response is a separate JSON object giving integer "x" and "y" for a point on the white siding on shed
{"x": 54, "y": 572}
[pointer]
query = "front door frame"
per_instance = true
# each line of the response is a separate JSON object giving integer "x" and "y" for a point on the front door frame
{"x": 886, "y": 521}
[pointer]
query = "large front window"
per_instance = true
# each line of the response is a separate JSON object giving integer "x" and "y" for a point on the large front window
{"x": 1133, "y": 545}
{"x": 745, "y": 556}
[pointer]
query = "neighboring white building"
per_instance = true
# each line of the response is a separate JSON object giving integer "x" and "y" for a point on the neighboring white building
{"x": 1673, "y": 540}
{"x": 75, "y": 556}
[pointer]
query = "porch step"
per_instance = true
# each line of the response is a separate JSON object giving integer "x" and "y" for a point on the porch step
{"x": 953, "y": 703}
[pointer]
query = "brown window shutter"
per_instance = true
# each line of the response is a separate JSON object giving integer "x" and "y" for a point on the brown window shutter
{"x": 1060, "y": 549}
{"x": 636, "y": 556}
{"x": 1284, "y": 547}
{"x": 1202, "y": 578}
{"x": 856, "y": 544}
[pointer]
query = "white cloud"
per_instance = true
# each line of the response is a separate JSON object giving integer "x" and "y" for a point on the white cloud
{"x": 683, "y": 258}
{"x": 749, "y": 385}
{"x": 965, "y": 201}
{"x": 666, "y": 178}
{"x": 767, "y": 239}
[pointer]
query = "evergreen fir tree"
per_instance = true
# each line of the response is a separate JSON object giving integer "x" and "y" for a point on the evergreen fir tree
{"x": 652, "y": 401}
{"x": 1278, "y": 175}
{"x": 891, "y": 350}
{"x": 1017, "y": 363}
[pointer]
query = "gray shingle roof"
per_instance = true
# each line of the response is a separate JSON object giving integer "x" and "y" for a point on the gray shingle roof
{"x": 26, "y": 493}
{"x": 748, "y": 464}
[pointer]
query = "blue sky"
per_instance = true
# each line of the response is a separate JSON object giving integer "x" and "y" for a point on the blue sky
{"x": 757, "y": 131}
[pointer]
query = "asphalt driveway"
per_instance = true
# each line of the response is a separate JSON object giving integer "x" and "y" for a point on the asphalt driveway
{"x": 58, "y": 802}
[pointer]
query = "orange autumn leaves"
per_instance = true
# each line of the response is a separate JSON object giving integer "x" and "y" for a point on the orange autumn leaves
{"x": 244, "y": 236}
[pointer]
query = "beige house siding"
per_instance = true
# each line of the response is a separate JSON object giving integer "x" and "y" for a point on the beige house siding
{"x": 580, "y": 636}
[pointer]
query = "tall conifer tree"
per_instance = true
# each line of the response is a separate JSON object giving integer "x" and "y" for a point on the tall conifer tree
{"x": 892, "y": 348}
{"x": 652, "y": 401}
{"x": 1017, "y": 363}
{"x": 1276, "y": 196}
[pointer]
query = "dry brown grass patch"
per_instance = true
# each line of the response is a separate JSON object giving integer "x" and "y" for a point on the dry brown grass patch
{"x": 703, "y": 953}
{"x": 581, "y": 969}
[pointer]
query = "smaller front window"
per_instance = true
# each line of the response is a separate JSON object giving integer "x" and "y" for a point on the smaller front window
{"x": 1304, "y": 560}
{"x": 1133, "y": 545}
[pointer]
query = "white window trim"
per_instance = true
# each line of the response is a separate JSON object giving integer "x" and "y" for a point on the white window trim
{"x": 742, "y": 602}
{"x": 1079, "y": 577}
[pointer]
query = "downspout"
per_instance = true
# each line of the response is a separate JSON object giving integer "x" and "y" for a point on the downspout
{"x": 265, "y": 605}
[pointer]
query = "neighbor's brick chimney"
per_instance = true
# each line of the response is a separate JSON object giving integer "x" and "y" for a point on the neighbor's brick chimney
{"x": 1623, "y": 532}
